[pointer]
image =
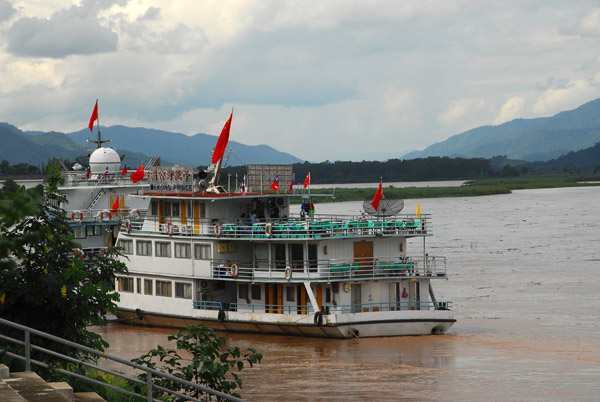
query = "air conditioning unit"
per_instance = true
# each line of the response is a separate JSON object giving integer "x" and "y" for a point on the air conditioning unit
{"x": 203, "y": 285}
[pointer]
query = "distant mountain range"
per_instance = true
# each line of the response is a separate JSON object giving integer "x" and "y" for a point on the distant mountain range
{"x": 138, "y": 145}
{"x": 538, "y": 139}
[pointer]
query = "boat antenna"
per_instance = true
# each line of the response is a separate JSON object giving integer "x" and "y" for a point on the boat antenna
{"x": 99, "y": 141}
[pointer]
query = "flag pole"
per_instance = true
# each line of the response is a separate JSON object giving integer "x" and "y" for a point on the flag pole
{"x": 98, "y": 126}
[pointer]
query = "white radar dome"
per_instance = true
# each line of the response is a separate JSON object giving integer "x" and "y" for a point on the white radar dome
{"x": 102, "y": 158}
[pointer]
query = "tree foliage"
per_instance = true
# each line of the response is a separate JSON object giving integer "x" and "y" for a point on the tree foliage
{"x": 44, "y": 282}
{"x": 211, "y": 364}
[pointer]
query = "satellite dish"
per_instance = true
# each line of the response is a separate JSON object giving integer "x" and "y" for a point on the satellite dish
{"x": 388, "y": 206}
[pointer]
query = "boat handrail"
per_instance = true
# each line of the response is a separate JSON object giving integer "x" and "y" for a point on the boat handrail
{"x": 338, "y": 269}
{"x": 285, "y": 228}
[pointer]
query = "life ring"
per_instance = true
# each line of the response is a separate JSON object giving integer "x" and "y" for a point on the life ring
{"x": 135, "y": 213}
{"x": 268, "y": 229}
{"x": 221, "y": 315}
{"x": 288, "y": 273}
{"x": 169, "y": 228}
{"x": 104, "y": 214}
{"x": 318, "y": 318}
{"x": 217, "y": 229}
{"x": 234, "y": 270}
{"x": 79, "y": 252}
{"x": 77, "y": 215}
{"x": 128, "y": 226}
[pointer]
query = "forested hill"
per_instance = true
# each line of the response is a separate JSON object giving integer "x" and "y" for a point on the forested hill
{"x": 433, "y": 168}
{"x": 538, "y": 139}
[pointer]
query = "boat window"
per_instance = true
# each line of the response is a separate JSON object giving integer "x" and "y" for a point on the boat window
{"x": 126, "y": 245}
{"x": 290, "y": 293}
{"x": 155, "y": 208}
{"x": 143, "y": 247}
{"x": 243, "y": 291}
{"x": 327, "y": 295}
{"x": 97, "y": 230}
{"x": 89, "y": 230}
{"x": 183, "y": 250}
{"x": 138, "y": 287}
{"x": 279, "y": 255}
{"x": 297, "y": 255}
{"x": 148, "y": 287}
{"x": 167, "y": 208}
{"x": 163, "y": 249}
{"x": 125, "y": 284}
{"x": 202, "y": 210}
{"x": 256, "y": 292}
{"x": 261, "y": 255}
{"x": 164, "y": 288}
{"x": 175, "y": 209}
{"x": 79, "y": 232}
{"x": 202, "y": 251}
{"x": 183, "y": 290}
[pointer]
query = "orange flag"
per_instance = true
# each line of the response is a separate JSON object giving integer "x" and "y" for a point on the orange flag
{"x": 378, "y": 196}
{"x": 222, "y": 141}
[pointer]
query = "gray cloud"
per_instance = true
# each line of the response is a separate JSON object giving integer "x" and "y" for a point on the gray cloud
{"x": 76, "y": 30}
{"x": 6, "y": 10}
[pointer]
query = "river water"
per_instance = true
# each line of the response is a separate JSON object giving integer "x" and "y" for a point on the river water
{"x": 524, "y": 278}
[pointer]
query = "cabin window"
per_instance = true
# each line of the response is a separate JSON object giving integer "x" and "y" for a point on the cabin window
{"x": 164, "y": 288}
{"x": 202, "y": 251}
{"x": 79, "y": 232}
{"x": 155, "y": 208}
{"x": 297, "y": 255}
{"x": 256, "y": 292}
{"x": 138, "y": 287}
{"x": 327, "y": 295}
{"x": 89, "y": 230}
{"x": 125, "y": 284}
{"x": 148, "y": 287}
{"x": 183, "y": 250}
{"x": 163, "y": 249}
{"x": 202, "y": 210}
{"x": 175, "y": 209}
{"x": 167, "y": 208}
{"x": 243, "y": 291}
{"x": 290, "y": 293}
{"x": 143, "y": 247}
{"x": 127, "y": 246}
{"x": 278, "y": 251}
{"x": 183, "y": 290}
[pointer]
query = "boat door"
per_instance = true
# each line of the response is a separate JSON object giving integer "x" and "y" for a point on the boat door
{"x": 363, "y": 254}
{"x": 414, "y": 295}
{"x": 356, "y": 298}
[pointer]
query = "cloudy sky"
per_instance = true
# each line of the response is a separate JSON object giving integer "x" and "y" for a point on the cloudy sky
{"x": 322, "y": 79}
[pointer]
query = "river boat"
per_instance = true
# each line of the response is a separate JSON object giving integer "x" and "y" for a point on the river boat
{"x": 98, "y": 199}
{"x": 252, "y": 260}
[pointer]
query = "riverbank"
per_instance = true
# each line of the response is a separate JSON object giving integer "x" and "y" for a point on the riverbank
{"x": 491, "y": 186}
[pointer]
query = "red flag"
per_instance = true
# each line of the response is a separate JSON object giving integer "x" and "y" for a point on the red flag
{"x": 378, "y": 196}
{"x": 292, "y": 182}
{"x": 138, "y": 174}
{"x": 124, "y": 171}
{"x": 307, "y": 180}
{"x": 114, "y": 208}
{"x": 275, "y": 184}
{"x": 222, "y": 141}
{"x": 94, "y": 116}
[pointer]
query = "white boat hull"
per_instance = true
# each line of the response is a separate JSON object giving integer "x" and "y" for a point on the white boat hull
{"x": 361, "y": 325}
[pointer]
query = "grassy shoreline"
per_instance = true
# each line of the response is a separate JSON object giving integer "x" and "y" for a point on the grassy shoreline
{"x": 473, "y": 188}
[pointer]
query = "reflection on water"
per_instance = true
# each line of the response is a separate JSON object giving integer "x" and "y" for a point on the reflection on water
{"x": 524, "y": 279}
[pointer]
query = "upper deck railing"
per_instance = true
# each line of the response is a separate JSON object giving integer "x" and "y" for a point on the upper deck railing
{"x": 329, "y": 270}
{"x": 321, "y": 226}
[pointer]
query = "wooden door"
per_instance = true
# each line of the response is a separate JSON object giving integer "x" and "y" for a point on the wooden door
{"x": 363, "y": 254}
